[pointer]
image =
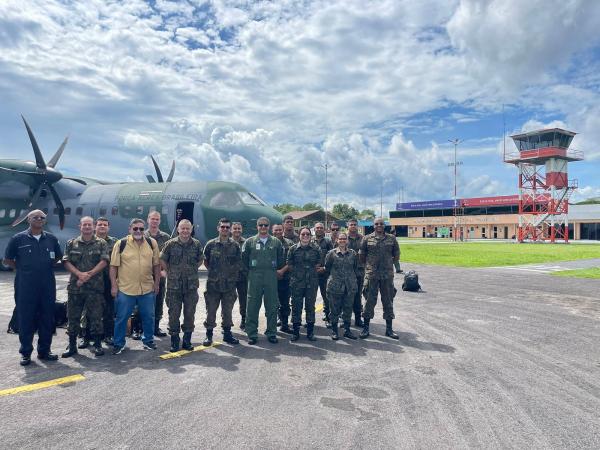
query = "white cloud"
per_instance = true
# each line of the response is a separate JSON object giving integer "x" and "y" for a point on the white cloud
{"x": 265, "y": 93}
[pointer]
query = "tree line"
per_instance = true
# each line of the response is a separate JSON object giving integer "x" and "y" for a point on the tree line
{"x": 342, "y": 211}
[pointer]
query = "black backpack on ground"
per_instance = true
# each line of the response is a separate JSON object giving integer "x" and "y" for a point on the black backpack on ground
{"x": 411, "y": 282}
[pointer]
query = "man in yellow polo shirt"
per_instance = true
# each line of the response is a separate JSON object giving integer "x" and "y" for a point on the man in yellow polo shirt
{"x": 134, "y": 267}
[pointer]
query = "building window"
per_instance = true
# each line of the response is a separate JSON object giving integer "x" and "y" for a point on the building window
{"x": 79, "y": 211}
{"x": 115, "y": 210}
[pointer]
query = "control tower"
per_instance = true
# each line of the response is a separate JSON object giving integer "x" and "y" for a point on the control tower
{"x": 544, "y": 188}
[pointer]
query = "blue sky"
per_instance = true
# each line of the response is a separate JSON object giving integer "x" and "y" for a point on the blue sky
{"x": 265, "y": 93}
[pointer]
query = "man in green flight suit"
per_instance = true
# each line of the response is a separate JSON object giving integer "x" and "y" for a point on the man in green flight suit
{"x": 263, "y": 256}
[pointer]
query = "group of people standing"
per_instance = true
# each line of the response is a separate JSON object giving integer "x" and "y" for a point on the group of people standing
{"x": 111, "y": 278}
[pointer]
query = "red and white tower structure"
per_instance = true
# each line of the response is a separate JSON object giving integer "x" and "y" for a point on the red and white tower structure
{"x": 544, "y": 187}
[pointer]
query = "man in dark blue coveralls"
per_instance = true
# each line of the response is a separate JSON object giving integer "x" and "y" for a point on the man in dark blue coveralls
{"x": 33, "y": 254}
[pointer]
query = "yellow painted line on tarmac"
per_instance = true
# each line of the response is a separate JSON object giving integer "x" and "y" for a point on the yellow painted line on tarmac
{"x": 181, "y": 353}
{"x": 42, "y": 385}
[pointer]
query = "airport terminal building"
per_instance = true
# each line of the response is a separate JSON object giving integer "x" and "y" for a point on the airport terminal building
{"x": 482, "y": 218}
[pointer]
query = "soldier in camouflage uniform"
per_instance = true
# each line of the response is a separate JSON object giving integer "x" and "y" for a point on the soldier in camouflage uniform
{"x": 108, "y": 316}
{"x": 341, "y": 264}
{"x": 288, "y": 229}
{"x": 180, "y": 259}
{"x": 161, "y": 239}
{"x": 108, "y": 311}
{"x": 305, "y": 261}
{"x": 378, "y": 252}
{"x": 325, "y": 245}
{"x": 222, "y": 258}
{"x": 283, "y": 281}
{"x": 85, "y": 257}
{"x": 354, "y": 243}
{"x": 241, "y": 285}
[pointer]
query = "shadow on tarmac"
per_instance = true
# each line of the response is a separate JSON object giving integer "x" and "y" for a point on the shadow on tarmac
{"x": 229, "y": 356}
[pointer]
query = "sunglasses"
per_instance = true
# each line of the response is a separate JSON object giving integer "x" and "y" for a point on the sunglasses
{"x": 38, "y": 217}
{"x": 226, "y": 227}
{"x": 342, "y": 239}
{"x": 137, "y": 228}
{"x": 335, "y": 229}
{"x": 263, "y": 224}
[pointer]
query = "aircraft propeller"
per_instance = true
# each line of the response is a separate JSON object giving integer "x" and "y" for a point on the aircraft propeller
{"x": 159, "y": 175}
{"x": 45, "y": 175}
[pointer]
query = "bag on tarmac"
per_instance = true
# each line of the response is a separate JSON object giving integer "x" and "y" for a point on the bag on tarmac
{"x": 60, "y": 314}
{"x": 411, "y": 282}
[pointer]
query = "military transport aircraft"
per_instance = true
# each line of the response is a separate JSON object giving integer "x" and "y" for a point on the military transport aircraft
{"x": 27, "y": 185}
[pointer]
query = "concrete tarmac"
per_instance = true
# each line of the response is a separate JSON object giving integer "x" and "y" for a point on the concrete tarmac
{"x": 487, "y": 358}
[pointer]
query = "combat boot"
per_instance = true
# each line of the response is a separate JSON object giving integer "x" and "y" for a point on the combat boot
{"x": 174, "y": 343}
{"x": 187, "y": 340}
{"x": 243, "y": 323}
{"x": 334, "y": 331}
{"x": 71, "y": 348}
{"x": 84, "y": 342}
{"x": 357, "y": 321}
{"x": 208, "y": 341}
{"x": 295, "y": 332}
{"x": 98, "y": 350}
{"x": 365, "y": 331}
{"x": 348, "y": 333}
{"x": 285, "y": 328}
{"x": 389, "y": 332}
{"x": 228, "y": 337}
{"x": 310, "y": 331}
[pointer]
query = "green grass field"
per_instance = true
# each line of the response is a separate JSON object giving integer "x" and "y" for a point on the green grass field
{"x": 581, "y": 273}
{"x": 474, "y": 254}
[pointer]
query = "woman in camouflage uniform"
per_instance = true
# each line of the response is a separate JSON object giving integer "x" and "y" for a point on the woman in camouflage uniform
{"x": 305, "y": 261}
{"x": 341, "y": 264}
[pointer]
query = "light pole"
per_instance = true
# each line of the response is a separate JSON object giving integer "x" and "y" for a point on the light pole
{"x": 456, "y": 163}
{"x": 325, "y": 166}
{"x": 381, "y": 200}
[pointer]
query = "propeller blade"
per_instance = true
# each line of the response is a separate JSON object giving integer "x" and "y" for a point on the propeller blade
{"x": 150, "y": 179}
{"x": 158, "y": 172}
{"x": 59, "y": 205}
{"x": 171, "y": 173}
{"x": 77, "y": 180}
{"x": 58, "y": 153}
{"x": 34, "y": 199}
{"x": 39, "y": 159}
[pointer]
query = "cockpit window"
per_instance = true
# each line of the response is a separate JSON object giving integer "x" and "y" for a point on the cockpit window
{"x": 251, "y": 199}
{"x": 225, "y": 199}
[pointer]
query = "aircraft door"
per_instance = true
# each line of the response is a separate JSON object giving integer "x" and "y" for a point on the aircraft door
{"x": 184, "y": 210}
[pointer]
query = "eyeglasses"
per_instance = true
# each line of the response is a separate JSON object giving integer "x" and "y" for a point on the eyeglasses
{"x": 137, "y": 228}
{"x": 263, "y": 224}
{"x": 38, "y": 217}
{"x": 226, "y": 227}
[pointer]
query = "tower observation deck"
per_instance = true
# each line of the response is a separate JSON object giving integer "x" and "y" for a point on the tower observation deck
{"x": 544, "y": 188}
